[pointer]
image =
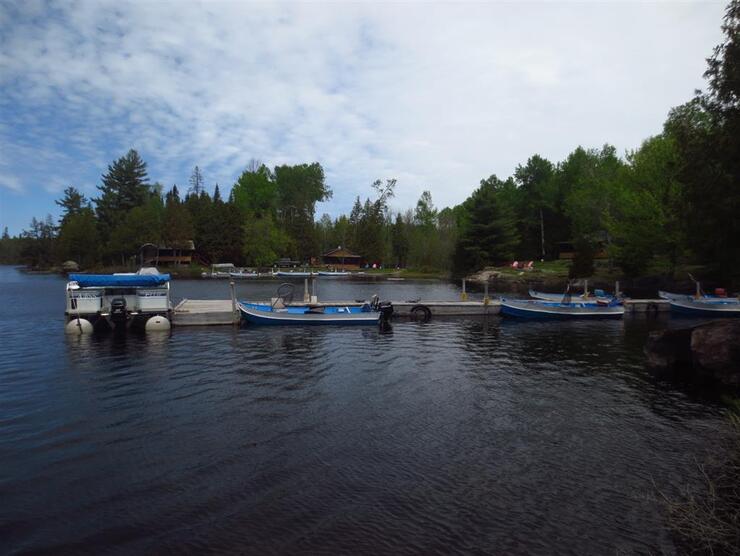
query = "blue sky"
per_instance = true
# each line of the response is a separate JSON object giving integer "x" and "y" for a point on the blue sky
{"x": 437, "y": 95}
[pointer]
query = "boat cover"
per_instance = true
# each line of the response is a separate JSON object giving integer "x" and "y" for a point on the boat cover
{"x": 119, "y": 280}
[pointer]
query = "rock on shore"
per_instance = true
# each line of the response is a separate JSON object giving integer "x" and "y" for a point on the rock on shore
{"x": 705, "y": 353}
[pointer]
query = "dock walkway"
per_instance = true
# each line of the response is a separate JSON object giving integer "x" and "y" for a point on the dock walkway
{"x": 209, "y": 312}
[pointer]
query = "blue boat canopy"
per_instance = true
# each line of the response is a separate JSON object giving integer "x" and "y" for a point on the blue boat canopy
{"x": 119, "y": 280}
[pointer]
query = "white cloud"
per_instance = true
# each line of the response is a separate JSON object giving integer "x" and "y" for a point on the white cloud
{"x": 10, "y": 182}
{"x": 438, "y": 95}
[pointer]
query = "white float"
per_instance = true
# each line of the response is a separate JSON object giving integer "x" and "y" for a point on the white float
{"x": 157, "y": 323}
{"x": 79, "y": 326}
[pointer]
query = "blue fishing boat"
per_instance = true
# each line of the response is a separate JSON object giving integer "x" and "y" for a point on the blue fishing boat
{"x": 243, "y": 274}
{"x": 538, "y": 309}
{"x": 262, "y": 313}
{"x": 293, "y": 274}
{"x": 706, "y": 307}
{"x": 598, "y": 296}
{"x": 701, "y": 296}
{"x": 329, "y": 273}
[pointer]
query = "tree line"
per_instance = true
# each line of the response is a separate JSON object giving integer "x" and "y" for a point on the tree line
{"x": 675, "y": 199}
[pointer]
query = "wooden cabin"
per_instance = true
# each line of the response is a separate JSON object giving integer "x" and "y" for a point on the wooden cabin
{"x": 165, "y": 255}
{"x": 341, "y": 258}
{"x": 567, "y": 249}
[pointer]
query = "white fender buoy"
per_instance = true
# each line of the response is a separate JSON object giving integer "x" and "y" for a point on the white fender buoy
{"x": 157, "y": 323}
{"x": 79, "y": 326}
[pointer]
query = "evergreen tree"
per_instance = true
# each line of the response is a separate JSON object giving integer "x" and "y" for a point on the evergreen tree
{"x": 72, "y": 203}
{"x": 490, "y": 235}
{"x": 197, "y": 185}
{"x": 124, "y": 187}
{"x": 707, "y": 134}
{"x": 535, "y": 210}
{"x": 78, "y": 238}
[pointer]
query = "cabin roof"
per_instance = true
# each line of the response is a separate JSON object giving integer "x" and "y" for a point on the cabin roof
{"x": 341, "y": 252}
{"x": 186, "y": 245}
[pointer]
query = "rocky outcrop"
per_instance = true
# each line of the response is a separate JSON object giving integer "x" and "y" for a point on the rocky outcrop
{"x": 705, "y": 353}
{"x": 715, "y": 348}
{"x": 669, "y": 350}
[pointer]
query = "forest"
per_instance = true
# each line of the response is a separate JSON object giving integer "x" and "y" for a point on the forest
{"x": 672, "y": 201}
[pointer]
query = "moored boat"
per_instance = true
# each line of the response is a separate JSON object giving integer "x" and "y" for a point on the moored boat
{"x": 262, "y": 313}
{"x": 118, "y": 301}
{"x": 329, "y": 273}
{"x": 702, "y": 296}
{"x": 539, "y": 309}
{"x": 220, "y": 270}
{"x": 583, "y": 298}
{"x": 298, "y": 274}
{"x": 706, "y": 307}
{"x": 242, "y": 274}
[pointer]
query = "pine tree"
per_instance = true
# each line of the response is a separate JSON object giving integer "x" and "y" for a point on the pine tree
{"x": 196, "y": 182}
{"x": 490, "y": 235}
{"x": 72, "y": 203}
{"x": 124, "y": 187}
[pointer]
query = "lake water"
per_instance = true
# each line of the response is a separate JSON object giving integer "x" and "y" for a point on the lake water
{"x": 461, "y": 435}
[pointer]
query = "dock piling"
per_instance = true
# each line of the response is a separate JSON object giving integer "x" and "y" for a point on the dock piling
{"x": 234, "y": 312}
{"x": 486, "y": 299}
{"x": 314, "y": 295}
{"x": 463, "y": 295}
{"x": 306, "y": 296}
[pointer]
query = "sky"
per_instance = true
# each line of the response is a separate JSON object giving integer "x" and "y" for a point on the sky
{"x": 436, "y": 95}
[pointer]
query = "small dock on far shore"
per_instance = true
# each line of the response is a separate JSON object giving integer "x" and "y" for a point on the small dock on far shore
{"x": 212, "y": 312}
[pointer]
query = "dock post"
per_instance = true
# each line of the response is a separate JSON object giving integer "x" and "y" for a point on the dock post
{"x": 616, "y": 288}
{"x": 464, "y": 294}
{"x": 585, "y": 287}
{"x": 234, "y": 312}
{"x": 306, "y": 297}
{"x": 314, "y": 297}
{"x": 486, "y": 299}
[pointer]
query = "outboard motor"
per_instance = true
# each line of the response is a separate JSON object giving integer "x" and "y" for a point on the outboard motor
{"x": 386, "y": 312}
{"x": 118, "y": 312}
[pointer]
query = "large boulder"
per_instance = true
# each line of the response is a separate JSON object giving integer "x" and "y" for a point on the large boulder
{"x": 715, "y": 349}
{"x": 669, "y": 351}
{"x": 70, "y": 266}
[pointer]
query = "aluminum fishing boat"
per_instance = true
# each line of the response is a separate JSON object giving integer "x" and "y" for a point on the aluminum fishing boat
{"x": 263, "y": 313}
{"x": 538, "y": 309}
{"x": 285, "y": 274}
{"x": 706, "y": 306}
{"x": 701, "y": 296}
{"x": 242, "y": 274}
{"x": 597, "y": 296}
{"x": 329, "y": 273}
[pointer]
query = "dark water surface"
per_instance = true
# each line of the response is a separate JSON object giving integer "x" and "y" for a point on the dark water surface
{"x": 455, "y": 436}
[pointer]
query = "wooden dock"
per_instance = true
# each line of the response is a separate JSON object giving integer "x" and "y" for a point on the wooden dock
{"x": 210, "y": 312}
{"x": 204, "y": 312}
